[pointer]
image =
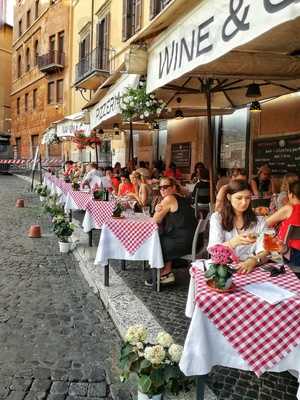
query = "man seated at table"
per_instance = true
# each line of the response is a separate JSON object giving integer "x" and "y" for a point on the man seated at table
{"x": 237, "y": 226}
{"x": 108, "y": 181}
{"x": 235, "y": 174}
{"x": 289, "y": 215}
{"x": 92, "y": 172}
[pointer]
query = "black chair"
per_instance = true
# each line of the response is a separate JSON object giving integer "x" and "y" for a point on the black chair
{"x": 201, "y": 209}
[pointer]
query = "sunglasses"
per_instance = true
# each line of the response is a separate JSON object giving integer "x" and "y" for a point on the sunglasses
{"x": 165, "y": 187}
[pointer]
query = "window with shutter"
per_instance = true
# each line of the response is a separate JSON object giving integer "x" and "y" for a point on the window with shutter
{"x": 106, "y": 42}
{"x": 124, "y": 24}
{"x": 138, "y": 15}
{"x": 152, "y": 8}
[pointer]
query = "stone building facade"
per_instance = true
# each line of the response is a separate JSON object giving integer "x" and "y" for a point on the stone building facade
{"x": 40, "y": 72}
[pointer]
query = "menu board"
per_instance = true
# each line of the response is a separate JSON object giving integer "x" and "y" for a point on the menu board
{"x": 281, "y": 153}
{"x": 181, "y": 156}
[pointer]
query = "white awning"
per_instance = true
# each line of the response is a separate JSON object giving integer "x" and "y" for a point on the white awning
{"x": 216, "y": 27}
{"x": 109, "y": 105}
{"x": 74, "y": 123}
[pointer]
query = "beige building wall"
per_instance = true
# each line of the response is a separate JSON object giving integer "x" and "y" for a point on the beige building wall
{"x": 5, "y": 77}
{"x": 51, "y": 19}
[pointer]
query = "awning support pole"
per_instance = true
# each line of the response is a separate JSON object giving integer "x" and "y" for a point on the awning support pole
{"x": 210, "y": 141}
{"x": 130, "y": 156}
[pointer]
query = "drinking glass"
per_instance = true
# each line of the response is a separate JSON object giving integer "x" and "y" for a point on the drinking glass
{"x": 131, "y": 205}
{"x": 273, "y": 245}
{"x": 146, "y": 211}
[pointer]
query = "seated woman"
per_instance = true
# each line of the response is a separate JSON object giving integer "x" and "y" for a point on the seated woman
{"x": 178, "y": 224}
{"x": 142, "y": 191}
{"x": 196, "y": 175}
{"x": 237, "y": 226}
{"x": 289, "y": 215}
{"x": 282, "y": 198}
{"x": 125, "y": 186}
{"x": 262, "y": 184}
{"x": 173, "y": 171}
{"x": 235, "y": 174}
{"x": 79, "y": 170}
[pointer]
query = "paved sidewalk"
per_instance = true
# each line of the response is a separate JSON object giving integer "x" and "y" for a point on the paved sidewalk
{"x": 57, "y": 341}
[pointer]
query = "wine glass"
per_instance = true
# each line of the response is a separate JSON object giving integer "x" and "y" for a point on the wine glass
{"x": 131, "y": 205}
{"x": 273, "y": 245}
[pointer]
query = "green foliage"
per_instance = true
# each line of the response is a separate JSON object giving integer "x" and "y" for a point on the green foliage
{"x": 42, "y": 190}
{"x": 118, "y": 209}
{"x": 62, "y": 228}
{"x": 139, "y": 105}
{"x": 52, "y": 207}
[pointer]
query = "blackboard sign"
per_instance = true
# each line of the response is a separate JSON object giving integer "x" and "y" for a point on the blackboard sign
{"x": 281, "y": 153}
{"x": 181, "y": 156}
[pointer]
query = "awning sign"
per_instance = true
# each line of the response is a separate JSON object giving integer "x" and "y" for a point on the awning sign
{"x": 211, "y": 30}
{"x": 69, "y": 128}
{"x": 109, "y": 105}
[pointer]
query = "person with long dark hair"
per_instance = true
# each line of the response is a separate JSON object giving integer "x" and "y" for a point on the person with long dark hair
{"x": 237, "y": 226}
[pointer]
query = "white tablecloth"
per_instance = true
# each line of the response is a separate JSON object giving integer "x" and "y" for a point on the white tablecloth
{"x": 205, "y": 347}
{"x": 111, "y": 248}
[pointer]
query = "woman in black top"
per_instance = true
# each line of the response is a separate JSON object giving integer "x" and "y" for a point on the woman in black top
{"x": 177, "y": 223}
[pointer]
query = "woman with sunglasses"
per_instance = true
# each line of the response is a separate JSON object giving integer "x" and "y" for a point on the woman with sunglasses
{"x": 177, "y": 222}
{"x": 237, "y": 226}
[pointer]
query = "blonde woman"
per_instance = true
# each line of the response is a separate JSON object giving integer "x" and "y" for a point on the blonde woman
{"x": 282, "y": 199}
{"x": 142, "y": 191}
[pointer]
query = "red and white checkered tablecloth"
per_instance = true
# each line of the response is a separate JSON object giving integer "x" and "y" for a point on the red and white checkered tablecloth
{"x": 132, "y": 233}
{"x": 261, "y": 333}
{"x": 100, "y": 211}
{"x": 81, "y": 199}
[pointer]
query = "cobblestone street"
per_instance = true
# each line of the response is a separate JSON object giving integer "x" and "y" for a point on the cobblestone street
{"x": 57, "y": 341}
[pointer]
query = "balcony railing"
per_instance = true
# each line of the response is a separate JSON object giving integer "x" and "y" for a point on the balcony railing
{"x": 51, "y": 62}
{"x": 94, "y": 68}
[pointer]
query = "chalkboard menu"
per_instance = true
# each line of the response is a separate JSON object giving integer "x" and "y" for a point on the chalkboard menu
{"x": 281, "y": 153}
{"x": 181, "y": 156}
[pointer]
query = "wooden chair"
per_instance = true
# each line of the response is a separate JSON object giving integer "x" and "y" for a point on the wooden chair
{"x": 293, "y": 233}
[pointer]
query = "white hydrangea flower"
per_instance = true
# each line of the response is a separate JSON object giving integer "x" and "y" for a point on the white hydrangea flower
{"x": 158, "y": 111}
{"x": 152, "y": 96}
{"x": 161, "y": 101}
{"x": 155, "y": 354}
{"x": 140, "y": 345}
{"x": 175, "y": 351}
{"x": 125, "y": 100}
{"x": 142, "y": 83}
{"x": 129, "y": 98}
{"x": 142, "y": 116}
{"x": 135, "y": 334}
{"x": 164, "y": 339}
{"x": 131, "y": 104}
{"x": 148, "y": 103}
{"x": 146, "y": 113}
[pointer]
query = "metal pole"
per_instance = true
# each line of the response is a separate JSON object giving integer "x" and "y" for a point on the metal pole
{"x": 130, "y": 156}
{"x": 210, "y": 140}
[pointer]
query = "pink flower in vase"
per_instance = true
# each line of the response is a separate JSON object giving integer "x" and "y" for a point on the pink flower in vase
{"x": 221, "y": 254}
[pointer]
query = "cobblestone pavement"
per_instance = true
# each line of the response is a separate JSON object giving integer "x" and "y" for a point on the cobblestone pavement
{"x": 57, "y": 341}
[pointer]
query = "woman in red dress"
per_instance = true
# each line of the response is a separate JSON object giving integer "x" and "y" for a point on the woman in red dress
{"x": 289, "y": 215}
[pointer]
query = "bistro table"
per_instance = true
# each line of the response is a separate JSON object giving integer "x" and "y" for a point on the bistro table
{"x": 77, "y": 200}
{"x": 130, "y": 238}
{"x": 97, "y": 212}
{"x": 239, "y": 330}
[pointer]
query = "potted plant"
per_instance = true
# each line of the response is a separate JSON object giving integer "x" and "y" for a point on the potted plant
{"x": 98, "y": 193}
{"x": 75, "y": 184}
{"x": 63, "y": 230}
{"x": 42, "y": 191}
{"x": 117, "y": 211}
{"x": 155, "y": 365}
{"x": 52, "y": 206}
{"x": 219, "y": 273}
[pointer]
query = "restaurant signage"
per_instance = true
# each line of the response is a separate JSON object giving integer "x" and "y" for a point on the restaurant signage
{"x": 282, "y": 153}
{"x": 109, "y": 105}
{"x": 211, "y": 30}
{"x": 181, "y": 156}
{"x": 69, "y": 128}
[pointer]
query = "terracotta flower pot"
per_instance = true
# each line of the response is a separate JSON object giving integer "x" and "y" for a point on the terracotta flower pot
{"x": 34, "y": 231}
{"x": 20, "y": 203}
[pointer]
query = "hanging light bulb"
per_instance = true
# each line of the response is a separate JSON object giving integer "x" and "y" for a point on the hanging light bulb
{"x": 179, "y": 112}
{"x": 255, "y": 106}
